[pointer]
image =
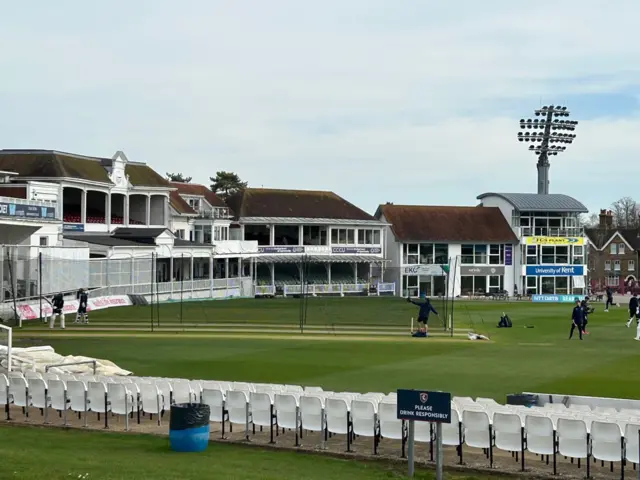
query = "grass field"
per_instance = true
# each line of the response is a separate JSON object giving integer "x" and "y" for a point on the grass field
{"x": 194, "y": 344}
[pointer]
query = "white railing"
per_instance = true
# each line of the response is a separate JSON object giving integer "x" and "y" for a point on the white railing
{"x": 170, "y": 288}
{"x": 326, "y": 289}
{"x": 550, "y": 232}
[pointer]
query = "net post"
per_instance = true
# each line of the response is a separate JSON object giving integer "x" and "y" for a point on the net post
{"x": 40, "y": 282}
{"x": 9, "y": 348}
{"x": 151, "y": 302}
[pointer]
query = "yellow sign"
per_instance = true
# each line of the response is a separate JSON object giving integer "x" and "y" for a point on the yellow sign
{"x": 554, "y": 241}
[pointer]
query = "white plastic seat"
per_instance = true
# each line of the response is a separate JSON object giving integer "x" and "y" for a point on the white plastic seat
{"x": 182, "y": 391}
{"x": 558, "y": 407}
{"x": 243, "y": 386}
{"x": 57, "y": 390}
{"x": 77, "y": 395}
{"x": 572, "y": 438}
{"x": 605, "y": 411}
{"x": 19, "y": 392}
{"x": 580, "y": 408}
{"x": 122, "y": 400}
{"x": 364, "y": 417}
{"x": 239, "y": 408}
{"x": 97, "y": 397}
{"x": 390, "y": 426}
{"x": 507, "y": 428}
{"x": 287, "y": 407}
{"x": 166, "y": 390}
{"x": 540, "y": 434}
{"x": 606, "y": 441}
{"x": 196, "y": 388}
{"x": 262, "y": 410}
{"x": 4, "y": 393}
{"x": 338, "y": 417}
{"x": 452, "y": 433}
{"x": 631, "y": 442}
{"x": 309, "y": 390}
{"x": 38, "y": 393}
{"x": 312, "y": 413}
{"x": 151, "y": 399}
{"x": 477, "y": 429}
{"x": 31, "y": 374}
{"x": 293, "y": 389}
{"x": 214, "y": 397}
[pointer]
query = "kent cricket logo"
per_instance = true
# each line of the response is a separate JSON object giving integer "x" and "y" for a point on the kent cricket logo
{"x": 424, "y": 397}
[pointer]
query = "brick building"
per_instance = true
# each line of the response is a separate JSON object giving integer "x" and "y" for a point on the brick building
{"x": 613, "y": 255}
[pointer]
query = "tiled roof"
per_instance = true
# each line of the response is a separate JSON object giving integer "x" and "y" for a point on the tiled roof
{"x": 200, "y": 191}
{"x": 105, "y": 240}
{"x": 52, "y": 164}
{"x": 266, "y": 202}
{"x": 415, "y": 223}
{"x": 600, "y": 236}
{"x": 552, "y": 202}
{"x": 141, "y": 175}
{"x": 179, "y": 205}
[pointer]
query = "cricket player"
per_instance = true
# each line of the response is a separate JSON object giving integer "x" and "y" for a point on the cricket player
{"x": 634, "y": 311}
{"x": 609, "y": 303}
{"x": 577, "y": 319}
{"x": 57, "y": 302}
{"x": 83, "y": 299}
{"x": 586, "y": 310}
{"x": 423, "y": 315}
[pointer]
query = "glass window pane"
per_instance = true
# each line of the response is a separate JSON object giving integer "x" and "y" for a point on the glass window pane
{"x": 480, "y": 284}
{"x": 351, "y": 236}
{"x": 562, "y": 254}
{"x": 441, "y": 253}
{"x": 413, "y": 248}
{"x": 368, "y": 237}
{"x": 494, "y": 249}
{"x": 376, "y": 237}
{"x": 466, "y": 285}
{"x": 547, "y": 285}
{"x": 361, "y": 237}
{"x": 562, "y": 285}
{"x": 334, "y": 235}
{"x": 426, "y": 253}
{"x": 480, "y": 254}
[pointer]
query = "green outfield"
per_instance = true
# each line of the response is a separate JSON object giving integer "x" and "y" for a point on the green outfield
{"x": 361, "y": 344}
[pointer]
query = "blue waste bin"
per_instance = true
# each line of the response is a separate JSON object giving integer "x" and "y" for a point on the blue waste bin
{"x": 189, "y": 427}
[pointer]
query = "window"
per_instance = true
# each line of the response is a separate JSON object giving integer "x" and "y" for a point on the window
{"x": 616, "y": 265}
{"x": 368, "y": 237}
{"x": 473, "y": 285}
{"x": 343, "y": 236}
{"x": 621, "y": 249}
{"x": 562, "y": 285}
{"x": 562, "y": 254}
{"x": 631, "y": 266}
{"x": 607, "y": 265}
{"x": 473, "y": 254}
{"x": 613, "y": 281}
{"x": 547, "y": 285}
{"x": 548, "y": 254}
{"x": 410, "y": 254}
{"x": 613, "y": 248}
{"x": 410, "y": 285}
{"x": 220, "y": 233}
{"x": 426, "y": 253}
{"x": 532, "y": 254}
{"x": 531, "y": 286}
{"x": 496, "y": 254}
{"x": 314, "y": 235}
{"x": 496, "y": 283}
{"x": 578, "y": 255}
{"x": 44, "y": 241}
{"x": 179, "y": 234}
{"x": 441, "y": 253}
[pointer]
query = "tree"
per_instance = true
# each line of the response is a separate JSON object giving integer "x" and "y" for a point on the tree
{"x": 178, "y": 177}
{"x": 625, "y": 213}
{"x": 225, "y": 184}
{"x": 589, "y": 221}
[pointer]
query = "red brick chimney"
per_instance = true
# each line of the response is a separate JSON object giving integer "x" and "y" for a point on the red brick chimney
{"x": 606, "y": 219}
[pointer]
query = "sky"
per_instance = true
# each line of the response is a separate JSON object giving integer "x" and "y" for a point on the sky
{"x": 406, "y": 101}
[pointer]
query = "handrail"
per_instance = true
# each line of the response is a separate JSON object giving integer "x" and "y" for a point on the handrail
{"x": 82, "y": 362}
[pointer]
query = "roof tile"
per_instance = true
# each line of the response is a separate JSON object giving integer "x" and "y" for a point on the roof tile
{"x": 552, "y": 202}
{"x": 199, "y": 190}
{"x": 266, "y": 202}
{"x": 447, "y": 224}
{"x": 52, "y": 164}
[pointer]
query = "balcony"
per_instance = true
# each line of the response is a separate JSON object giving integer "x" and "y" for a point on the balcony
{"x": 549, "y": 232}
{"x": 214, "y": 214}
{"x": 235, "y": 247}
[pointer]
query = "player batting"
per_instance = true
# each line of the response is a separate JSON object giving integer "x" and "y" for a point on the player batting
{"x": 58, "y": 310}
{"x": 83, "y": 299}
{"x": 634, "y": 312}
{"x": 423, "y": 315}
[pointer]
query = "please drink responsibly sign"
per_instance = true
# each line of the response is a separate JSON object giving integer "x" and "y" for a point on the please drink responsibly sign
{"x": 424, "y": 406}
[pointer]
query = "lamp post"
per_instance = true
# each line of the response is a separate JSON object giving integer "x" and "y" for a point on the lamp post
{"x": 550, "y": 138}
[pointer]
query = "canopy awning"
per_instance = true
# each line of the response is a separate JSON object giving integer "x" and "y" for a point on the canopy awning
{"x": 319, "y": 259}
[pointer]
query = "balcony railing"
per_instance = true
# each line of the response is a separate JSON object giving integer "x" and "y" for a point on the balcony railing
{"x": 550, "y": 232}
{"x": 216, "y": 213}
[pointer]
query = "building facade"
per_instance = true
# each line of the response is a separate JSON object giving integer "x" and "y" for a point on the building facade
{"x": 552, "y": 257}
{"x": 448, "y": 251}
{"x": 613, "y": 255}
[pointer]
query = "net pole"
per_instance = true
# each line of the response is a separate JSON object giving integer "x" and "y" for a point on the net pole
{"x": 155, "y": 282}
{"x": 181, "y": 286}
{"x": 455, "y": 268}
{"x": 151, "y": 302}
{"x": 16, "y": 317}
{"x": 40, "y": 283}
{"x": 306, "y": 285}
{"x": 301, "y": 306}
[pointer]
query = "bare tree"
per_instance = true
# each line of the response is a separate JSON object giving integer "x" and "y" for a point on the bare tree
{"x": 625, "y": 213}
{"x": 589, "y": 221}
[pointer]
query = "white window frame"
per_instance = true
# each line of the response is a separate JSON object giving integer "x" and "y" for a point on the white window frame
{"x": 613, "y": 281}
{"x": 631, "y": 265}
{"x": 613, "y": 249}
{"x": 368, "y": 236}
{"x": 412, "y": 258}
{"x": 616, "y": 265}
{"x": 45, "y": 243}
{"x": 607, "y": 265}
{"x": 621, "y": 249}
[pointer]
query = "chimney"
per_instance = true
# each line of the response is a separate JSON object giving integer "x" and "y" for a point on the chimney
{"x": 606, "y": 219}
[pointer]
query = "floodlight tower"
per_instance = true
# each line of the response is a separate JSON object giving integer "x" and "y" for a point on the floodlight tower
{"x": 550, "y": 131}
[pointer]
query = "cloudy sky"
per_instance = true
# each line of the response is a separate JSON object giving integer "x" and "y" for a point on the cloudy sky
{"x": 410, "y": 101}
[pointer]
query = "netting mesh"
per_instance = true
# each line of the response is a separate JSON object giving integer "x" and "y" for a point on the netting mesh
{"x": 5, "y": 347}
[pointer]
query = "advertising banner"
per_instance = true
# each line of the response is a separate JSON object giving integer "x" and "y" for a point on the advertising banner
{"x": 281, "y": 249}
{"x": 508, "y": 255}
{"x": 554, "y": 298}
{"x": 31, "y": 310}
{"x": 426, "y": 270}
{"x": 19, "y": 210}
{"x": 469, "y": 270}
{"x": 357, "y": 250}
{"x": 554, "y": 240}
{"x": 555, "y": 270}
